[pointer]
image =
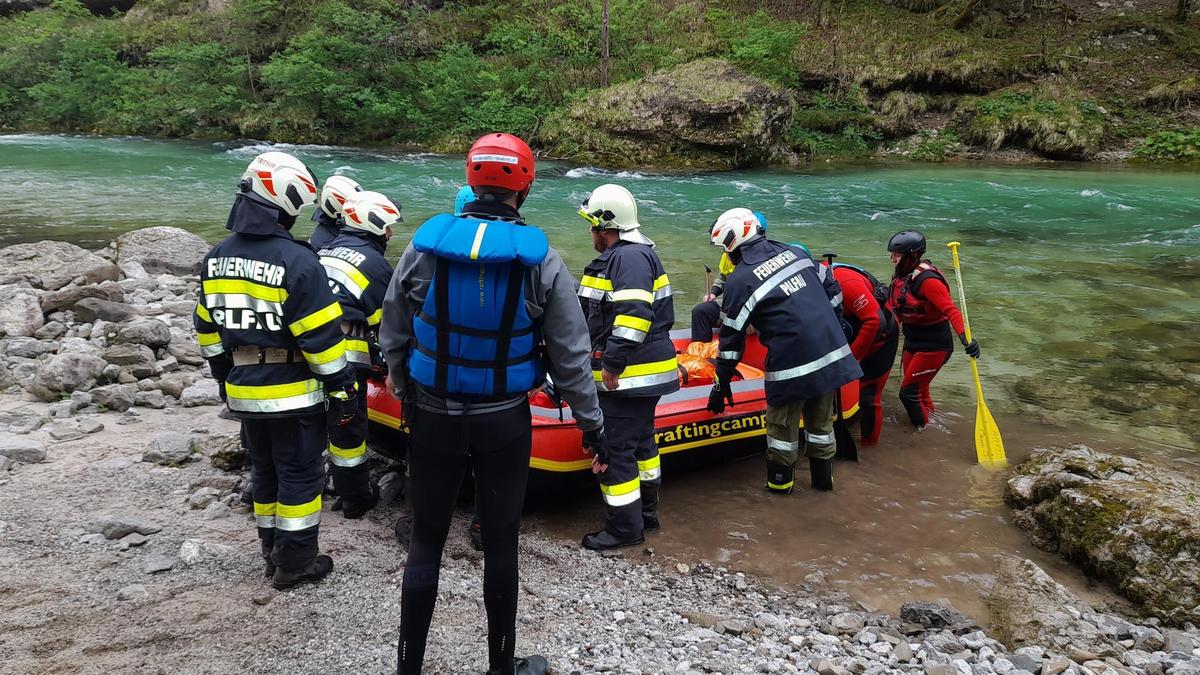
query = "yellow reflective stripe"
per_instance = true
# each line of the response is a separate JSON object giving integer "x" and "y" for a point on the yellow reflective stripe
{"x": 654, "y": 368}
{"x": 652, "y": 463}
{"x": 375, "y": 318}
{"x": 319, "y": 318}
{"x": 358, "y": 346}
{"x": 661, "y": 281}
{"x": 261, "y": 509}
{"x": 633, "y": 294}
{"x": 620, "y": 488}
{"x": 299, "y": 510}
{"x": 633, "y": 322}
{"x": 347, "y": 453}
{"x": 227, "y": 286}
{"x": 202, "y": 312}
{"x": 596, "y": 282}
{"x": 269, "y": 391}
{"x": 478, "y": 240}
{"x": 208, "y": 339}
{"x": 331, "y": 354}
{"x": 781, "y": 486}
{"x": 349, "y": 270}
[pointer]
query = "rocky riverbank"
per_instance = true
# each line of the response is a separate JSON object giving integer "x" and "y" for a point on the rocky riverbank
{"x": 124, "y": 545}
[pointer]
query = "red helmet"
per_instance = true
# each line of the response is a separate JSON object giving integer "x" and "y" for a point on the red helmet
{"x": 500, "y": 160}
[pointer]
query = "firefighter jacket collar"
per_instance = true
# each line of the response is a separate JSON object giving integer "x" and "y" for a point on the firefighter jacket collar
{"x": 492, "y": 211}
{"x": 253, "y": 217}
{"x": 753, "y": 252}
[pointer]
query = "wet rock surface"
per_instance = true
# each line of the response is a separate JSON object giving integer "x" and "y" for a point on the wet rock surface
{"x": 1133, "y": 523}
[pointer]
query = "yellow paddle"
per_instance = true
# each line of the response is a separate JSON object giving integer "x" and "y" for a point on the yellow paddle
{"x": 989, "y": 447}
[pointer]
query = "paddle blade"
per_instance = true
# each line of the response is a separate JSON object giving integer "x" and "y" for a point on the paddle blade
{"x": 846, "y": 447}
{"x": 989, "y": 446}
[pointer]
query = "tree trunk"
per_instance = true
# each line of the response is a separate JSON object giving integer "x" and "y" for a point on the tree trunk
{"x": 1182, "y": 8}
{"x": 604, "y": 45}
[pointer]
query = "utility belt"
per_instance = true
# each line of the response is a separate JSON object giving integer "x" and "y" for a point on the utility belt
{"x": 254, "y": 356}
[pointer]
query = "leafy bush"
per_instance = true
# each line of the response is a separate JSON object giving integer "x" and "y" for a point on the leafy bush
{"x": 760, "y": 44}
{"x": 1171, "y": 146}
{"x": 936, "y": 147}
{"x": 1061, "y": 126}
{"x": 850, "y": 142}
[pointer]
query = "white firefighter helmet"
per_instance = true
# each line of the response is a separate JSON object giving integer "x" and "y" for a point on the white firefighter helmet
{"x": 370, "y": 212}
{"x": 282, "y": 180}
{"x": 612, "y": 207}
{"x": 734, "y": 228}
{"x": 335, "y": 192}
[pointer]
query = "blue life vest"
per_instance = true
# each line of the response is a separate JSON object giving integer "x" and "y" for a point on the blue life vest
{"x": 475, "y": 339}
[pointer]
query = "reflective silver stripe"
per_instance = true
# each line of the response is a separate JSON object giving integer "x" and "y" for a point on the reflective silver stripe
{"x": 663, "y": 293}
{"x": 819, "y": 439}
{"x": 355, "y": 356}
{"x": 836, "y": 301}
{"x": 212, "y": 350}
{"x": 629, "y": 333}
{"x": 334, "y": 366}
{"x": 622, "y": 500}
{"x": 765, "y": 289}
{"x": 732, "y": 356}
{"x": 628, "y": 383}
{"x": 822, "y": 272}
{"x": 785, "y": 446}
{"x": 264, "y": 521}
{"x": 242, "y": 301}
{"x": 302, "y": 523}
{"x": 347, "y": 462}
{"x": 273, "y": 405}
{"x": 651, "y": 474}
{"x": 338, "y": 276}
{"x": 810, "y": 367}
{"x": 590, "y": 293}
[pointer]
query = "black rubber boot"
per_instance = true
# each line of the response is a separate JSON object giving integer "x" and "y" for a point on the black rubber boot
{"x": 268, "y": 566}
{"x": 650, "y": 508}
{"x": 910, "y": 398}
{"x": 822, "y": 473}
{"x": 475, "y": 533}
{"x": 353, "y": 509}
{"x": 316, "y": 570}
{"x": 607, "y": 541}
{"x": 531, "y": 665}
{"x": 404, "y": 530}
{"x": 780, "y": 478}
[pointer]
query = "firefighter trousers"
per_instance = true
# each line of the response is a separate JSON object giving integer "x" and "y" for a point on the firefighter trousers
{"x": 630, "y": 485}
{"x": 783, "y": 437}
{"x": 348, "y": 452}
{"x": 288, "y": 475}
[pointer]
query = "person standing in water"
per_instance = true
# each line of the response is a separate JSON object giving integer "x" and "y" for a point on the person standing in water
{"x": 626, "y": 298}
{"x": 920, "y": 297}
{"x": 479, "y": 307}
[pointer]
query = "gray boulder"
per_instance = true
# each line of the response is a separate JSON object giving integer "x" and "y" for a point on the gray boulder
{"x": 149, "y": 332}
{"x": 169, "y": 449}
{"x": 185, "y": 350}
{"x": 92, "y": 309}
{"x": 136, "y": 359}
{"x": 20, "y": 311}
{"x": 21, "y": 449}
{"x": 203, "y": 392}
{"x": 53, "y": 264}
{"x": 1030, "y": 608}
{"x": 1133, "y": 523}
{"x": 225, "y": 451}
{"x": 118, "y": 397}
{"x": 65, "y": 373}
{"x": 51, "y": 330}
{"x": 150, "y": 399}
{"x": 162, "y": 250}
{"x": 28, "y": 348}
{"x": 115, "y": 526}
{"x": 195, "y": 551}
{"x": 69, "y": 296}
{"x": 173, "y": 384}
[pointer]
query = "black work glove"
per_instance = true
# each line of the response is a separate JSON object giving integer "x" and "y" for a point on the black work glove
{"x": 971, "y": 348}
{"x": 717, "y": 398}
{"x": 379, "y": 371}
{"x": 343, "y": 405}
{"x": 595, "y": 442}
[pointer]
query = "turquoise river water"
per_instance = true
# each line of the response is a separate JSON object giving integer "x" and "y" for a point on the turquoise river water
{"x": 1082, "y": 280}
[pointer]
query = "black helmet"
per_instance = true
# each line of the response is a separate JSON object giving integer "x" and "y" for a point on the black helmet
{"x": 907, "y": 242}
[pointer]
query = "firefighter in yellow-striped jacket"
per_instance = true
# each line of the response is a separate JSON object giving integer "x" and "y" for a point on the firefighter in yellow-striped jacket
{"x": 270, "y": 328}
{"x": 626, "y": 298}
{"x": 359, "y": 276}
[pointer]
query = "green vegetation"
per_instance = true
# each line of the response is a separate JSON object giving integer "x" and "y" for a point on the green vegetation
{"x": 935, "y": 147}
{"x": 861, "y": 73}
{"x": 1171, "y": 146}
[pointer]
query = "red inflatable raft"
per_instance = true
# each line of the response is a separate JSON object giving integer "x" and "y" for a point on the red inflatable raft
{"x": 682, "y": 424}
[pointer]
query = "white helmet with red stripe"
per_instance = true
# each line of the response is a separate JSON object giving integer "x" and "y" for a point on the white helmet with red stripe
{"x": 370, "y": 212}
{"x": 734, "y": 228}
{"x": 335, "y": 192}
{"x": 282, "y": 180}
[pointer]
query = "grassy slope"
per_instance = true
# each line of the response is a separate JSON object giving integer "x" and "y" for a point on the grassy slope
{"x": 865, "y": 74}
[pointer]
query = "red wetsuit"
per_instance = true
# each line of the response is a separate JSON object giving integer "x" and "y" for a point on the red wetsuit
{"x": 873, "y": 341}
{"x": 922, "y": 303}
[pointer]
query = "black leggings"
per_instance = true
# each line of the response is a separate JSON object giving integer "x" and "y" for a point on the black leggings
{"x": 443, "y": 448}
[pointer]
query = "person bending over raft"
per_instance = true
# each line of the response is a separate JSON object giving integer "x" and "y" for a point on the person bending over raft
{"x": 920, "y": 297}
{"x": 706, "y": 314}
{"x": 779, "y": 291}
